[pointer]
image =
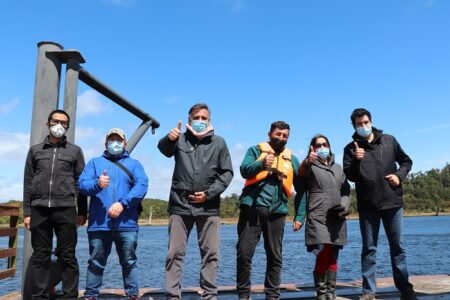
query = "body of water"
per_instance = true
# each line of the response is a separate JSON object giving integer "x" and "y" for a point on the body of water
{"x": 426, "y": 239}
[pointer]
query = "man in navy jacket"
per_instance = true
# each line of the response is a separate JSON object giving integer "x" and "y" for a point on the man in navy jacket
{"x": 117, "y": 184}
{"x": 370, "y": 161}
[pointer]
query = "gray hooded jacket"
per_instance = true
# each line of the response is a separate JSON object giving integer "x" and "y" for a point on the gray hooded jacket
{"x": 200, "y": 165}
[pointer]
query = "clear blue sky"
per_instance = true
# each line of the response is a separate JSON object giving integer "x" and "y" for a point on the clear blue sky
{"x": 309, "y": 63}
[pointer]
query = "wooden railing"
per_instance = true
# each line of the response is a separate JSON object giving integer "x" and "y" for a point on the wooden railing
{"x": 11, "y": 210}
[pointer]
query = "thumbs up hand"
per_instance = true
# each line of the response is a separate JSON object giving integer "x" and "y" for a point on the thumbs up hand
{"x": 359, "y": 152}
{"x": 175, "y": 132}
{"x": 268, "y": 160}
{"x": 312, "y": 156}
{"x": 103, "y": 180}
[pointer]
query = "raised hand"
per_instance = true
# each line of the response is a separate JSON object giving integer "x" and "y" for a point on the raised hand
{"x": 268, "y": 160}
{"x": 312, "y": 156}
{"x": 103, "y": 180}
{"x": 359, "y": 152}
{"x": 175, "y": 132}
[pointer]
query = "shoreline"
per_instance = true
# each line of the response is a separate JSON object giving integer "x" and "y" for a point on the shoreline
{"x": 231, "y": 221}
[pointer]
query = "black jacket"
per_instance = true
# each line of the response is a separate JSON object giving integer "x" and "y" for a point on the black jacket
{"x": 381, "y": 157}
{"x": 200, "y": 165}
{"x": 51, "y": 177}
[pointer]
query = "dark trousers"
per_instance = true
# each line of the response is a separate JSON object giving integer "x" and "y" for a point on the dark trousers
{"x": 44, "y": 221}
{"x": 252, "y": 222}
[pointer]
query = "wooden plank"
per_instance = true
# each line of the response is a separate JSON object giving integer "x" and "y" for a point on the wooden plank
{"x": 7, "y": 273}
{"x": 4, "y": 253}
{"x": 8, "y": 231}
{"x": 9, "y": 210}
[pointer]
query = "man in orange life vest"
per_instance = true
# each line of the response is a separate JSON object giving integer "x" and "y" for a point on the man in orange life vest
{"x": 270, "y": 170}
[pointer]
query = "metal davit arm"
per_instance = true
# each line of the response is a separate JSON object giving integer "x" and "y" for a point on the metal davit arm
{"x": 147, "y": 120}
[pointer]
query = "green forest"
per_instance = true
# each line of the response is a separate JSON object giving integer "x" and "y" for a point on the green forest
{"x": 425, "y": 192}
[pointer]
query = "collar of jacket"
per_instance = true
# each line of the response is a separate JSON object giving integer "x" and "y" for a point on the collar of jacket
{"x": 320, "y": 164}
{"x": 376, "y": 132}
{"x": 115, "y": 157}
{"x": 194, "y": 140}
{"x": 62, "y": 143}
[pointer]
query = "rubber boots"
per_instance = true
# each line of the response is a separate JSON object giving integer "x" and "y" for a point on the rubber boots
{"x": 331, "y": 285}
{"x": 320, "y": 283}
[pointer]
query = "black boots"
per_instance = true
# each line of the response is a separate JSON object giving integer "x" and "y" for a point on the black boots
{"x": 331, "y": 285}
{"x": 325, "y": 285}
{"x": 320, "y": 283}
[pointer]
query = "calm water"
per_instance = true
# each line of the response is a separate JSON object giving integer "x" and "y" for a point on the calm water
{"x": 426, "y": 240}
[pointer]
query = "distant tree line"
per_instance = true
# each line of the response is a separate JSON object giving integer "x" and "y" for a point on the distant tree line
{"x": 425, "y": 192}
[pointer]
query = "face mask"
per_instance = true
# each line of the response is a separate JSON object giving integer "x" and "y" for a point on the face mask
{"x": 115, "y": 147}
{"x": 199, "y": 126}
{"x": 57, "y": 130}
{"x": 323, "y": 152}
{"x": 364, "y": 131}
{"x": 277, "y": 143}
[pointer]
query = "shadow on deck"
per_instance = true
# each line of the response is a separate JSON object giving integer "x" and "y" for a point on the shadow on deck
{"x": 427, "y": 287}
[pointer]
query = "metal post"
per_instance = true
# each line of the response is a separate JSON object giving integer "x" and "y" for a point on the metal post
{"x": 73, "y": 60}
{"x": 46, "y": 93}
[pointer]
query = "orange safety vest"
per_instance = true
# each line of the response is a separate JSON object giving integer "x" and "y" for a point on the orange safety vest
{"x": 282, "y": 166}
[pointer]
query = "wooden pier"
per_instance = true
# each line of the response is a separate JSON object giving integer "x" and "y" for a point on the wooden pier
{"x": 428, "y": 287}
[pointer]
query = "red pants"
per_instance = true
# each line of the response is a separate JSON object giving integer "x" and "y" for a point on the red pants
{"x": 326, "y": 260}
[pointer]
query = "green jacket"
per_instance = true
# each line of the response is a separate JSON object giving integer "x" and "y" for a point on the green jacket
{"x": 269, "y": 192}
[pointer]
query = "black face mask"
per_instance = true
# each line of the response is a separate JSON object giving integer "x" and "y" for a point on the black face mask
{"x": 277, "y": 144}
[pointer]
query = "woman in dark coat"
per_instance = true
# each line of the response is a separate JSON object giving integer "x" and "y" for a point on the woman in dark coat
{"x": 327, "y": 208}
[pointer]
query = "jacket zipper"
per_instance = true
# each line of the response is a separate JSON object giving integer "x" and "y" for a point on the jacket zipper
{"x": 51, "y": 179}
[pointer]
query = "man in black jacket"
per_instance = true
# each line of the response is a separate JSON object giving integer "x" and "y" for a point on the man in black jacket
{"x": 202, "y": 172}
{"x": 370, "y": 161}
{"x": 50, "y": 201}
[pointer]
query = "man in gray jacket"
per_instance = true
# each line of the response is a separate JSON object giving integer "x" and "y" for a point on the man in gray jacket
{"x": 202, "y": 172}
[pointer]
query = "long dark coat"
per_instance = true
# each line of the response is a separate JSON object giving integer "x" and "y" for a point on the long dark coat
{"x": 327, "y": 187}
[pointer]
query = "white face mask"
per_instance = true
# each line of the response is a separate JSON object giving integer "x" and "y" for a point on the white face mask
{"x": 57, "y": 130}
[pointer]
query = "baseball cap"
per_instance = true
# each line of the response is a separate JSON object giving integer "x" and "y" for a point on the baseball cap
{"x": 117, "y": 131}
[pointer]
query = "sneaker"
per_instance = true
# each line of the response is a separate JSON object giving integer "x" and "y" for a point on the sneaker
{"x": 367, "y": 297}
{"x": 409, "y": 295}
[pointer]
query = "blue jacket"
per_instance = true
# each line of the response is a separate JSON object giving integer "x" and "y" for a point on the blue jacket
{"x": 119, "y": 190}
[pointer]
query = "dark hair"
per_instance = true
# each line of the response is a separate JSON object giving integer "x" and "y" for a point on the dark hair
{"x": 314, "y": 140}
{"x": 279, "y": 125}
{"x": 197, "y": 107}
{"x": 59, "y": 111}
{"x": 358, "y": 113}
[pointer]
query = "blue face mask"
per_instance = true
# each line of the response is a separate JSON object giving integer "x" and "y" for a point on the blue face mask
{"x": 199, "y": 126}
{"x": 364, "y": 131}
{"x": 323, "y": 152}
{"x": 115, "y": 147}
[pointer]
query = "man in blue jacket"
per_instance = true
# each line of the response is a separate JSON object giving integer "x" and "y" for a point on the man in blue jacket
{"x": 117, "y": 184}
{"x": 378, "y": 165}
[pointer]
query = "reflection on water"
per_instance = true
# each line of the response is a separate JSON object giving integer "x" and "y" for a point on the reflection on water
{"x": 426, "y": 240}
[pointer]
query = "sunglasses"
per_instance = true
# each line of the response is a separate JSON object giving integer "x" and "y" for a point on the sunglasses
{"x": 55, "y": 121}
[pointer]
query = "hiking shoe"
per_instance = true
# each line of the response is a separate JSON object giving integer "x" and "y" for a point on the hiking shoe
{"x": 409, "y": 295}
{"x": 367, "y": 297}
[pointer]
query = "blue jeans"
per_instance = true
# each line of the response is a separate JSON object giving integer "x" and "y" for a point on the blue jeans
{"x": 369, "y": 223}
{"x": 100, "y": 243}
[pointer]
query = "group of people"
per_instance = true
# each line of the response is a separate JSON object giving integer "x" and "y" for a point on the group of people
{"x": 57, "y": 183}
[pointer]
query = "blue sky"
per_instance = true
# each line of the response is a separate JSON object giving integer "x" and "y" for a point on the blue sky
{"x": 309, "y": 63}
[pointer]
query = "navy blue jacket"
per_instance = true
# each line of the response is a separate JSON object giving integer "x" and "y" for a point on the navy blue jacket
{"x": 381, "y": 158}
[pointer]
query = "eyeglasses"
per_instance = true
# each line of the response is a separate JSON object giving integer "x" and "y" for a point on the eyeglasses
{"x": 321, "y": 145}
{"x": 55, "y": 121}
